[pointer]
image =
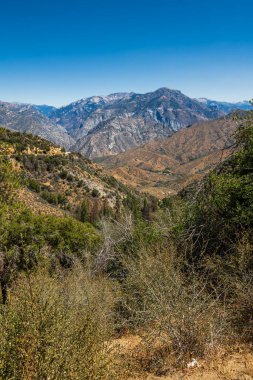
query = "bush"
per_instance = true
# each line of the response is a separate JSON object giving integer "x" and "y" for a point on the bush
{"x": 70, "y": 178}
{"x": 57, "y": 328}
{"x": 63, "y": 174}
{"x": 180, "y": 316}
{"x": 95, "y": 193}
{"x": 33, "y": 185}
{"x": 24, "y": 237}
{"x": 8, "y": 181}
{"x": 54, "y": 198}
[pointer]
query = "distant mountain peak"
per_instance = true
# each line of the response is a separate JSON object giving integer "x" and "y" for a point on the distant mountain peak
{"x": 109, "y": 124}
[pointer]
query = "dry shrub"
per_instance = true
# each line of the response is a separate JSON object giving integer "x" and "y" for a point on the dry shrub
{"x": 241, "y": 307}
{"x": 115, "y": 234}
{"x": 236, "y": 275}
{"x": 57, "y": 328}
{"x": 182, "y": 318}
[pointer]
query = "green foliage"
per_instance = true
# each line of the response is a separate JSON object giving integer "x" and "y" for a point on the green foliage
{"x": 220, "y": 211}
{"x": 182, "y": 266}
{"x": 70, "y": 178}
{"x": 33, "y": 185}
{"x": 24, "y": 237}
{"x": 133, "y": 203}
{"x": 84, "y": 211}
{"x": 63, "y": 174}
{"x": 8, "y": 181}
{"x": 95, "y": 193}
{"x": 53, "y": 198}
{"x": 22, "y": 228}
{"x": 231, "y": 188}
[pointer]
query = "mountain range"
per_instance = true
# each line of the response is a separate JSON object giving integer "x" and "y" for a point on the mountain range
{"x": 102, "y": 126}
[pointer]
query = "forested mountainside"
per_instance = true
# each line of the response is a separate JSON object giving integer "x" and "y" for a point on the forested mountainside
{"x": 107, "y": 125}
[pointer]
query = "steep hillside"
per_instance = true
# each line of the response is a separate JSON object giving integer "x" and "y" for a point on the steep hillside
{"x": 164, "y": 167}
{"x": 138, "y": 118}
{"x": 132, "y": 281}
{"x": 57, "y": 182}
{"x": 26, "y": 118}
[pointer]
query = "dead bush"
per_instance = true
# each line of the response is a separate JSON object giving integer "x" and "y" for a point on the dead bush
{"x": 182, "y": 318}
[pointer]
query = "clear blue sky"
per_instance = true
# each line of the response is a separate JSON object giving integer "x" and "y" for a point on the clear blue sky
{"x": 57, "y": 51}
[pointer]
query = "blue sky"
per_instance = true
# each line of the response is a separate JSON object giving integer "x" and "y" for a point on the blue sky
{"x": 57, "y": 51}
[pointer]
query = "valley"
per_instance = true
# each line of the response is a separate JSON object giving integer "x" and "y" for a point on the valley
{"x": 165, "y": 167}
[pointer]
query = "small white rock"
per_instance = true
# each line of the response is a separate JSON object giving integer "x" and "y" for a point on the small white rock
{"x": 192, "y": 363}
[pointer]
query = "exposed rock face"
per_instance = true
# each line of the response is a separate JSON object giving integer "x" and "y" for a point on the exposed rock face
{"x": 85, "y": 114}
{"x": 119, "y": 135}
{"x": 25, "y": 118}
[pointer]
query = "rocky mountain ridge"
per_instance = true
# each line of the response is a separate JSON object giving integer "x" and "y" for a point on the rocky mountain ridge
{"x": 138, "y": 119}
{"x": 101, "y": 126}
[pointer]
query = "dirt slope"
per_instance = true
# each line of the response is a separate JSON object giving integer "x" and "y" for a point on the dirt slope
{"x": 164, "y": 167}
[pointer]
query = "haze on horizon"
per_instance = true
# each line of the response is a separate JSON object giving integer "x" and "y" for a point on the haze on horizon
{"x": 54, "y": 52}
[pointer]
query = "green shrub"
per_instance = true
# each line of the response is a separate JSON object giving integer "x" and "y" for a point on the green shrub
{"x": 70, "y": 178}
{"x": 95, "y": 193}
{"x": 53, "y": 198}
{"x": 24, "y": 236}
{"x": 63, "y": 174}
{"x": 33, "y": 185}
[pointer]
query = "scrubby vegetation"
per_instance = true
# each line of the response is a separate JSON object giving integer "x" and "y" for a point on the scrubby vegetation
{"x": 177, "y": 274}
{"x": 57, "y": 327}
